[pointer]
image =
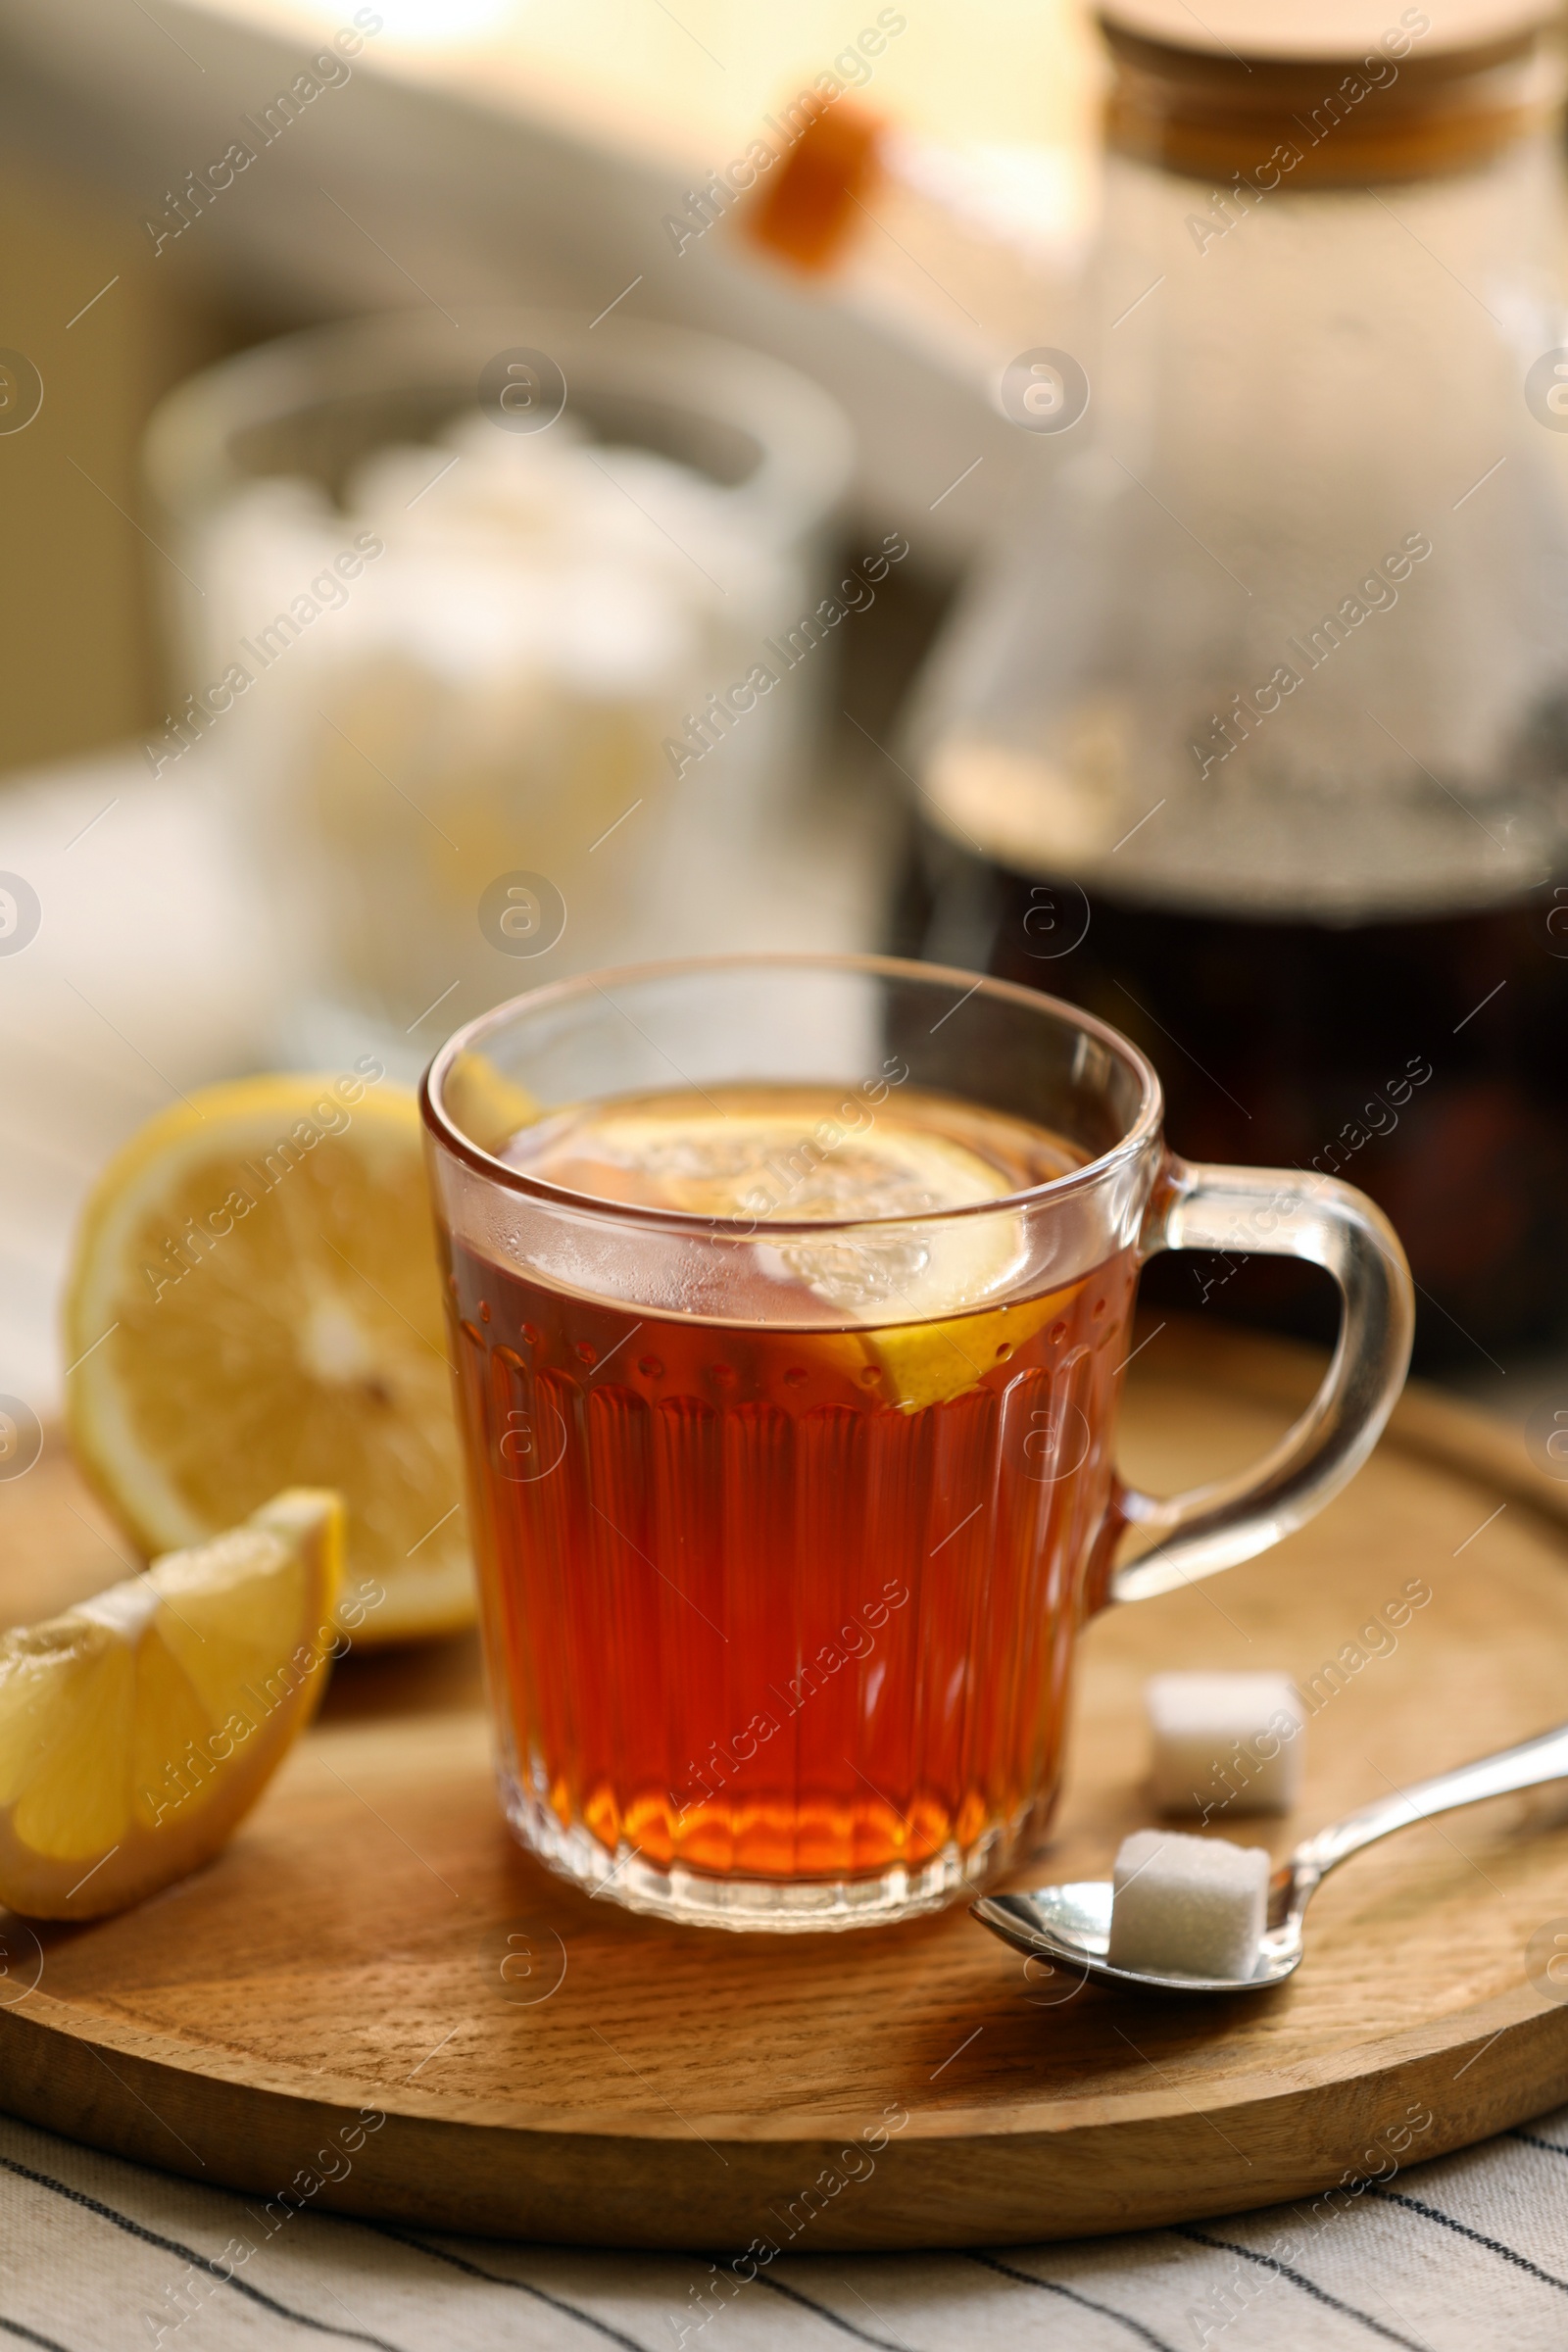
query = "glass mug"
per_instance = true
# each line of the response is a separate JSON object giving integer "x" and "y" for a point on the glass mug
{"x": 787, "y": 1511}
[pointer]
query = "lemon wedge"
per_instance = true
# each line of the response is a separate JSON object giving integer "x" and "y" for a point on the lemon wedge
{"x": 138, "y": 1729}
{"x": 254, "y": 1303}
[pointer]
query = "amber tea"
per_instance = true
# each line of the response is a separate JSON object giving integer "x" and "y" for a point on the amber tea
{"x": 789, "y": 1594}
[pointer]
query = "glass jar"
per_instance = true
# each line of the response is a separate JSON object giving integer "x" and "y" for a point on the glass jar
{"x": 457, "y": 604}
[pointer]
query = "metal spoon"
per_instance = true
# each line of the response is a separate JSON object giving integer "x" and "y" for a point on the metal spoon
{"x": 1071, "y": 1925}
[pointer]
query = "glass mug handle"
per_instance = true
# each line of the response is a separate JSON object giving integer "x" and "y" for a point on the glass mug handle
{"x": 1278, "y": 1213}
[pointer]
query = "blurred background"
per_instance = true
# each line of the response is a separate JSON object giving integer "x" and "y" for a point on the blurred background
{"x": 498, "y": 155}
{"x": 485, "y": 481}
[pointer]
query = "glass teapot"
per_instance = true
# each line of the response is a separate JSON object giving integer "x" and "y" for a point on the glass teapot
{"x": 1288, "y": 629}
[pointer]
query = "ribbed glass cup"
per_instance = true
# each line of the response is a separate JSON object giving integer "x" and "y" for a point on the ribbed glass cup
{"x": 779, "y": 1594}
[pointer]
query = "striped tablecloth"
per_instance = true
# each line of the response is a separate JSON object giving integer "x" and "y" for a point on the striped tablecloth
{"x": 1468, "y": 2254}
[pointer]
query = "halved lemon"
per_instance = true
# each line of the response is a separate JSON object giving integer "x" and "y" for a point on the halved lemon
{"x": 136, "y": 1730}
{"x": 254, "y": 1303}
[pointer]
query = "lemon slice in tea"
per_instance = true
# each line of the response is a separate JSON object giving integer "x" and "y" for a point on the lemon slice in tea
{"x": 805, "y": 1155}
{"x": 254, "y": 1303}
{"x": 137, "y": 1729}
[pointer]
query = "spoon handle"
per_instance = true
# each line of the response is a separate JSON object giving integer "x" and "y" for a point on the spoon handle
{"x": 1523, "y": 1767}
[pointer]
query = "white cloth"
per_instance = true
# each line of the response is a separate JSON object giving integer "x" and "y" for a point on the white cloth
{"x": 1461, "y": 2254}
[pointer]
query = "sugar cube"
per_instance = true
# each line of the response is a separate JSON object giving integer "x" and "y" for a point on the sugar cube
{"x": 1188, "y": 1907}
{"x": 1230, "y": 1743}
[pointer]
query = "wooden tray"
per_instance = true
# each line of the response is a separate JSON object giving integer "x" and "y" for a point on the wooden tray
{"x": 638, "y": 2084}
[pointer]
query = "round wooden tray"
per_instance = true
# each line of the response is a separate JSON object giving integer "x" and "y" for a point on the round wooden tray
{"x": 324, "y": 2011}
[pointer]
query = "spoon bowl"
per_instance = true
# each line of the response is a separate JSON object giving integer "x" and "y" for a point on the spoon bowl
{"x": 1071, "y": 1927}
